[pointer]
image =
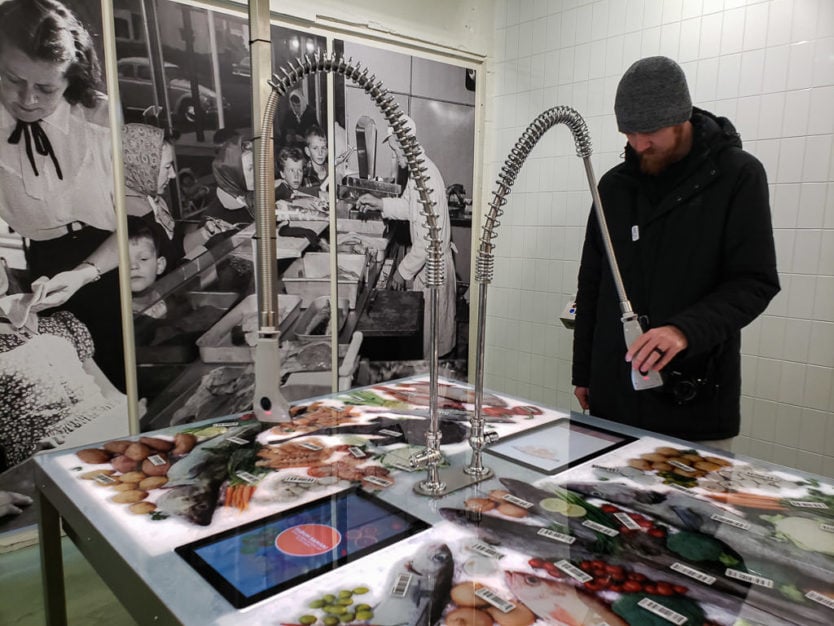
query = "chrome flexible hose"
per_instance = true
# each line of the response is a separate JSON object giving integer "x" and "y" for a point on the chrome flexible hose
{"x": 512, "y": 166}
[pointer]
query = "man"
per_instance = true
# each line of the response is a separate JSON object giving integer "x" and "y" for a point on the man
{"x": 689, "y": 218}
{"x": 410, "y": 273}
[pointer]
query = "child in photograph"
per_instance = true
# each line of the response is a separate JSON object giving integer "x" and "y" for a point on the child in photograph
{"x": 316, "y": 151}
{"x": 291, "y": 165}
{"x": 52, "y": 393}
{"x": 146, "y": 265}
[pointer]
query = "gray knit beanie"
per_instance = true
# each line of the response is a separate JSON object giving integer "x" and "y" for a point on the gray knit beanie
{"x": 652, "y": 94}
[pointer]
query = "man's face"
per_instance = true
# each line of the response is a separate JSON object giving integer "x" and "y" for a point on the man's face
{"x": 659, "y": 149}
{"x": 295, "y": 105}
{"x": 145, "y": 266}
{"x": 317, "y": 149}
{"x": 293, "y": 173}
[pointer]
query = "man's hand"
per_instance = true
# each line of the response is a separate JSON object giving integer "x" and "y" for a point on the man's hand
{"x": 655, "y": 348}
{"x": 368, "y": 201}
{"x": 10, "y": 503}
{"x": 397, "y": 282}
{"x": 583, "y": 394}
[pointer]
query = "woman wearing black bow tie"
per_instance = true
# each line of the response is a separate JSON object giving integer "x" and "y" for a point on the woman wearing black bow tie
{"x": 56, "y": 182}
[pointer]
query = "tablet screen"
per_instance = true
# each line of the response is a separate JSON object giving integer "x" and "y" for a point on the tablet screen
{"x": 259, "y": 559}
{"x": 558, "y": 445}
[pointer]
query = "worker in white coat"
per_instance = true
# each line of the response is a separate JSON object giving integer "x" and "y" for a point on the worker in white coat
{"x": 411, "y": 271}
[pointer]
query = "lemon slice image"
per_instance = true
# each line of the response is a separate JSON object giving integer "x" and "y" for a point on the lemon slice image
{"x": 558, "y": 505}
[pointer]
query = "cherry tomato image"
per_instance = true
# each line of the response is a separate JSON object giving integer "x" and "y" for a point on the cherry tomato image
{"x": 650, "y": 588}
{"x": 680, "y": 589}
{"x": 609, "y": 508}
{"x": 664, "y": 589}
{"x": 617, "y": 588}
{"x": 657, "y": 532}
{"x": 632, "y": 586}
{"x": 585, "y": 566}
{"x": 593, "y": 585}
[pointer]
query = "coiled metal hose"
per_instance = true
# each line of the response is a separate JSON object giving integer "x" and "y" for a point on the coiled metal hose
{"x": 512, "y": 166}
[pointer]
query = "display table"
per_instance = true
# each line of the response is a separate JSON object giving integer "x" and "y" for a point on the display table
{"x": 635, "y": 529}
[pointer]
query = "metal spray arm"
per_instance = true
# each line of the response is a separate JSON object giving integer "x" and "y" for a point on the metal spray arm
{"x": 485, "y": 262}
{"x": 281, "y": 83}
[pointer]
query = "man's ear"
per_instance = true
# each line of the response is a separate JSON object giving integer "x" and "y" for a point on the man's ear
{"x": 161, "y": 264}
{"x": 307, "y": 152}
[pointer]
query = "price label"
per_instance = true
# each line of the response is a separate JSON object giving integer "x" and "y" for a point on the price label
{"x": 299, "y": 480}
{"x": 518, "y": 501}
{"x": 247, "y": 477}
{"x": 574, "y": 572}
{"x": 600, "y": 528}
{"x": 485, "y": 550}
{"x": 401, "y": 585}
{"x": 310, "y": 446}
{"x": 156, "y": 460}
{"x": 237, "y": 440}
{"x": 803, "y": 504}
{"x": 829, "y": 528}
{"x": 552, "y": 534}
{"x": 661, "y": 611}
{"x": 376, "y": 480}
{"x": 359, "y": 453}
{"x": 692, "y": 573}
{"x": 749, "y": 578}
{"x": 626, "y": 520}
{"x": 104, "y": 479}
{"x": 226, "y": 424}
{"x": 495, "y": 600}
{"x": 388, "y": 432}
{"x": 820, "y": 598}
{"x": 681, "y": 466}
{"x": 730, "y": 521}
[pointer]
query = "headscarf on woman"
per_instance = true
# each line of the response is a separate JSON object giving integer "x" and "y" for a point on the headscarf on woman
{"x": 142, "y": 146}
{"x": 229, "y": 172}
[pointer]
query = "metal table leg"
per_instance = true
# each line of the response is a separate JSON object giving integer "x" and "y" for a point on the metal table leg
{"x": 52, "y": 562}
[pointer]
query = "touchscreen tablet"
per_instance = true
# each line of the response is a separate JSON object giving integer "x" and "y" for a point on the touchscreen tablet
{"x": 558, "y": 445}
{"x": 262, "y": 558}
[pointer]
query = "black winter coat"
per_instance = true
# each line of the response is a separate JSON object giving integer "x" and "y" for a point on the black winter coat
{"x": 704, "y": 261}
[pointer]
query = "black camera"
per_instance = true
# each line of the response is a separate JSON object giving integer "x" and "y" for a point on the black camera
{"x": 686, "y": 389}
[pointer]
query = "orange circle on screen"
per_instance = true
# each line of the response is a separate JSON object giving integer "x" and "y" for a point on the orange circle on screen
{"x": 308, "y": 540}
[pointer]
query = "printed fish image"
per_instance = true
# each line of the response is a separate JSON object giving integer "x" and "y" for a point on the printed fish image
{"x": 458, "y": 394}
{"x": 560, "y": 603}
{"x": 681, "y": 510}
{"x": 193, "y": 486}
{"x": 418, "y": 588}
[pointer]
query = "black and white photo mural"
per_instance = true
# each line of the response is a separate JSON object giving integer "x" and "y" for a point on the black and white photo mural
{"x": 62, "y": 375}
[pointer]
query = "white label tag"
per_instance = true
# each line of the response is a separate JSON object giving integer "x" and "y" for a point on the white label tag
{"x": 104, "y": 479}
{"x": 495, "y": 600}
{"x": 376, "y": 480}
{"x": 299, "y": 480}
{"x": 247, "y": 477}
{"x": 310, "y": 446}
{"x": 749, "y": 578}
{"x": 661, "y": 611}
{"x": 485, "y": 550}
{"x": 225, "y": 425}
{"x": 692, "y": 573}
{"x": 574, "y": 572}
{"x": 627, "y": 521}
{"x": 552, "y": 534}
{"x": 829, "y": 528}
{"x": 237, "y": 440}
{"x": 388, "y": 432}
{"x": 635, "y": 232}
{"x": 357, "y": 452}
{"x": 723, "y": 519}
{"x": 157, "y": 460}
{"x": 518, "y": 501}
{"x": 681, "y": 466}
{"x": 808, "y": 505}
{"x": 816, "y": 596}
{"x": 600, "y": 528}
{"x": 401, "y": 585}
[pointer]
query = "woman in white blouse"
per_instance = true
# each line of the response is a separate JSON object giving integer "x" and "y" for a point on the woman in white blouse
{"x": 56, "y": 182}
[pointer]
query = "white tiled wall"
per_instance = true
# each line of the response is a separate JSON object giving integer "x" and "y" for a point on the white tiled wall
{"x": 768, "y": 65}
